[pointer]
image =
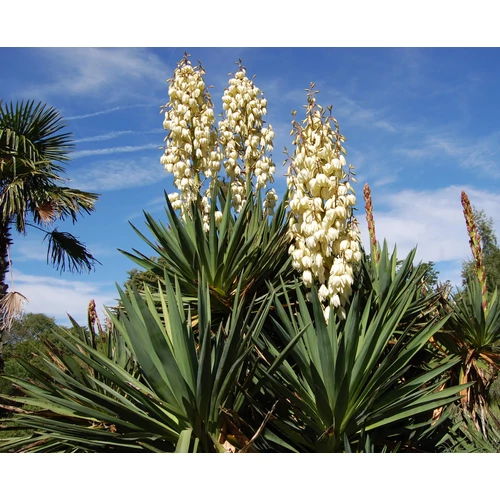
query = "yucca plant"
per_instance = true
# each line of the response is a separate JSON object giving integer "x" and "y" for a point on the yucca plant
{"x": 157, "y": 386}
{"x": 246, "y": 250}
{"x": 347, "y": 380}
{"x": 464, "y": 437}
{"x": 473, "y": 332}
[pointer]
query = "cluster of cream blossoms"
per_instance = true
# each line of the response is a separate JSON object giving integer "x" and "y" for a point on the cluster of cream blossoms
{"x": 325, "y": 235}
{"x": 245, "y": 141}
{"x": 191, "y": 153}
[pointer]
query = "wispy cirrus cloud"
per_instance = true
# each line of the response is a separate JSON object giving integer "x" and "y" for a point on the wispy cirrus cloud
{"x": 481, "y": 154}
{"x": 354, "y": 113}
{"x": 350, "y": 110}
{"x": 108, "y": 151}
{"x": 105, "y": 137}
{"x": 114, "y": 134}
{"x": 30, "y": 250}
{"x": 107, "y": 111}
{"x": 108, "y": 74}
{"x": 115, "y": 175}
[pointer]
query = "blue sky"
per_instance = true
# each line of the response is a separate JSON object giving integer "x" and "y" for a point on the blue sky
{"x": 421, "y": 125}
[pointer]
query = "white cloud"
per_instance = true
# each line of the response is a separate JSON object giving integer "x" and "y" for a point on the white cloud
{"x": 371, "y": 167}
{"x": 109, "y": 73}
{"x": 385, "y": 125}
{"x": 108, "y": 151}
{"x": 58, "y": 297}
{"x": 431, "y": 220}
{"x": 350, "y": 111}
{"x": 472, "y": 154}
{"x": 30, "y": 250}
{"x": 114, "y": 175}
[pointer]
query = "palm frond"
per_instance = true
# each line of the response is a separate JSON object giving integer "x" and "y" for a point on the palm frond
{"x": 11, "y": 307}
{"x": 31, "y": 132}
{"x": 67, "y": 252}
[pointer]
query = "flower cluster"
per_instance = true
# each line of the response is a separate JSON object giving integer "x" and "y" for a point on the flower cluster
{"x": 191, "y": 144}
{"x": 245, "y": 141}
{"x": 325, "y": 235}
{"x": 270, "y": 202}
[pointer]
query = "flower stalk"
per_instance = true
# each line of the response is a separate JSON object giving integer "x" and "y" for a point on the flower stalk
{"x": 324, "y": 232}
{"x": 246, "y": 143}
{"x": 192, "y": 152}
{"x": 370, "y": 221}
{"x": 475, "y": 245}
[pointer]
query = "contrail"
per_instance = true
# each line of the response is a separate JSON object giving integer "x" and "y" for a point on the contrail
{"x": 117, "y": 133}
{"x": 107, "y": 151}
{"x": 106, "y": 111}
{"x": 105, "y": 137}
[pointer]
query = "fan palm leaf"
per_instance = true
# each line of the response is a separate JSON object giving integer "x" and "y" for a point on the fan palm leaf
{"x": 33, "y": 150}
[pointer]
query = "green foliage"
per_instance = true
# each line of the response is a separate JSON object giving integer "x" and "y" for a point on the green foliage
{"x": 139, "y": 279}
{"x": 431, "y": 276}
{"x": 223, "y": 350}
{"x": 25, "y": 341}
{"x": 33, "y": 149}
{"x": 265, "y": 372}
{"x": 464, "y": 436}
{"x": 217, "y": 347}
{"x": 473, "y": 334}
{"x": 179, "y": 394}
{"x": 251, "y": 248}
{"x": 347, "y": 380}
{"x": 31, "y": 326}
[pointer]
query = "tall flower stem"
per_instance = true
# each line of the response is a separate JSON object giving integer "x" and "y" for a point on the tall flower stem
{"x": 371, "y": 221}
{"x": 475, "y": 245}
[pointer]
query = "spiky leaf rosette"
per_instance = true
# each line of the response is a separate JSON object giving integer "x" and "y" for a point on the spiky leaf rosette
{"x": 181, "y": 392}
{"x": 247, "y": 246}
{"x": 342, "y": 384}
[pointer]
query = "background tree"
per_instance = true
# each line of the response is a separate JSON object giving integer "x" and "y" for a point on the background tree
{"x": 431, "y": 274}
{"x": 490, "y": 249}
{"x": 24, "y": 341}
{"x": 139, "y": 278}
{"x": 33, "y": 151}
